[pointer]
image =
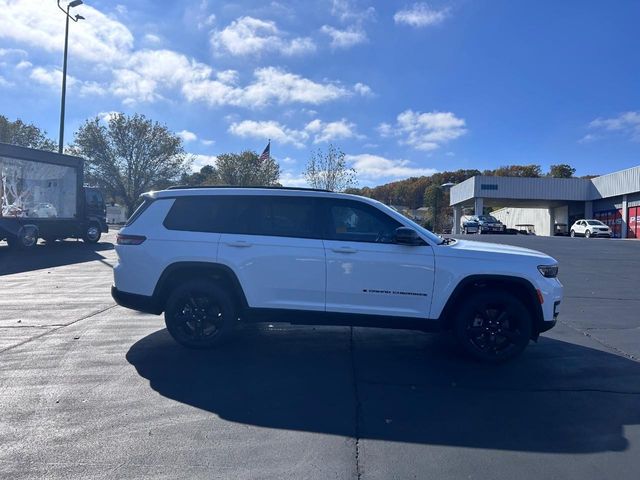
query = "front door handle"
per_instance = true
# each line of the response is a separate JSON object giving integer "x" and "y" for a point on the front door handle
{"x": 239, "y": 244}
{"x": 344, "y": 250}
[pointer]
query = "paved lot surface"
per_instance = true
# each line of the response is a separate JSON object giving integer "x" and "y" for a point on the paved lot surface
{"x": 91, "y": 390}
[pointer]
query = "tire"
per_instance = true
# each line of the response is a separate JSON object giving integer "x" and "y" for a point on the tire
{"x": 92, "y": 234}
{"x": 200, "y": 314}
{"x": 481, "y": 325}
{"x": 587, "y": 234}
{"x": 26, "y": 239}
{"x": 573, "y": 234}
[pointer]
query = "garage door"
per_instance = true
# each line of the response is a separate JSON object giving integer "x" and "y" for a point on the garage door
{"x": 634, "y": 222}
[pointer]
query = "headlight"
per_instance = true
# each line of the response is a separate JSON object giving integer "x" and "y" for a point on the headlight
{"x": 549, "y": 271}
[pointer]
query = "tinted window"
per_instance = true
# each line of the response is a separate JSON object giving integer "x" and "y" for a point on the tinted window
{"x": 359, "y": 222}
{"x": 199, "y": 214}
{"x": 248, "y": 215}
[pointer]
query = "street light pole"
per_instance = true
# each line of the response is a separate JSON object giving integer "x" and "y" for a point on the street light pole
{"x": 75, "y": 3}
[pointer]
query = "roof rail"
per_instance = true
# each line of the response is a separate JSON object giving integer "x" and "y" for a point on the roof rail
{"x": 272, "y": 187}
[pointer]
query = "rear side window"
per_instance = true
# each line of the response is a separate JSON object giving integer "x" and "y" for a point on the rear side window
{"x": 248, "y": 215}
{"x": 138, "y": 211}
{"x": 199, "y": 214}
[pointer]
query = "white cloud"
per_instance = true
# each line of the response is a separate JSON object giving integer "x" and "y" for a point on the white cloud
{"x": 291, "y": 179}
{"x": 50, "y": 77}
{"x": 4, "y": 82}
{"x": 374, "y": 167}
{"x": 106, "y": 116}
{"x": 318, "y": 130}
{"x": 326, "y": 132}
{"x": 362, "y": 89}
{"x": 152, "y": 39}
{"x": 198, "y": 161}
{"x": 348, "y": 11}
{"x": 24, "y": 64}
{"x": 228, "y": 76}
{"x": 626, "y": 124}
{"x": 271, "y": 85}
{"x": 420, "y": 15}
{"x": 251, "y": 36}
{"x": 269, "y": 130}
{"x": 424, "y": 131}
{"x": 207, "y": 142}
{"x": 345, "y": 38}
{"x": 187, "y": 136}
{"x": 99, "y": 39}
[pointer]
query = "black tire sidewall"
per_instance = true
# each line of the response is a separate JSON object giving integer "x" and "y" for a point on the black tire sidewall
{"x": 222, "y": 298}
{"x": 515, "y": 308}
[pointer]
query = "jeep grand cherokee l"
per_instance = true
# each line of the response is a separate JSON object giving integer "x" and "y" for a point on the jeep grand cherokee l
{"x": 210, "y": 258}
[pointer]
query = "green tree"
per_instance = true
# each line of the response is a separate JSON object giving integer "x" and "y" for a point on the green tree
{"x": 24, "y": 135}
{"x": 208, "y": 175}
{"x": 516, "y": 171}
{"x": 561, "y": 170}
{"x": 246, "y": 169}
{"x": 329, "y": 171}
{"x": 129, "y": 156}
{"x": 435, "y": 201}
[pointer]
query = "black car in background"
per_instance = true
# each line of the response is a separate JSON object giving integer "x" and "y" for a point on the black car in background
{"x": 483, "y": 224}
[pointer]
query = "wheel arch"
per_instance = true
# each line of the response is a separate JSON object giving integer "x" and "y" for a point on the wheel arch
{"x": 520, "y": 287}
{"x": 179, "y": 272}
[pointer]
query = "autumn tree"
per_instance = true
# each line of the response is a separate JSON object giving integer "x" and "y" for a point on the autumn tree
{"x": 130, "y": 155}
{"x": 246, "y": 169}
{"x": 561, "y": 170}
{"x": 24, "y": 135}
{"x": 329, "y": 171}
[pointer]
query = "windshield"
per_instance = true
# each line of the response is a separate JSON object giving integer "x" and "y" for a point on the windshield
{"x": 487, "y": 218}
{"x": 595, "y": 222}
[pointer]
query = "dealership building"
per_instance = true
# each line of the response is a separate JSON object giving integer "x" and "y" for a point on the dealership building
{"x": 553, "y": 204}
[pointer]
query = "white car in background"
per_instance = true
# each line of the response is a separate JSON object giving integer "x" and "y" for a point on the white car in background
{"x": 44, "y": 210}
{"x": 590, "y": 228}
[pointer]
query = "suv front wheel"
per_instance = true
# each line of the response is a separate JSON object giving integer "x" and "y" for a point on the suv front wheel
{"x": 493, "y": 326}
{"x": 200, "y": 314}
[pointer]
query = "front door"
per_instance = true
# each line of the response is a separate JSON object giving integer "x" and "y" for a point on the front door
{"x": 366, "y": 272}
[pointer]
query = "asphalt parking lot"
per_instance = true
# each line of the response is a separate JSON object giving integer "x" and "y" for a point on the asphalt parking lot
{"x": 92, "y": 390}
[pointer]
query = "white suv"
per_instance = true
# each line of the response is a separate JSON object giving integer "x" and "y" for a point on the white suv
{"x": 590, "y": 228}
{"x": 210, "y": 258}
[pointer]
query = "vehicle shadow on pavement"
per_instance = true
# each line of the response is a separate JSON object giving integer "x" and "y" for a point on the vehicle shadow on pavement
{"x": 558, "y": 397}
{"x": 49, "y": 256}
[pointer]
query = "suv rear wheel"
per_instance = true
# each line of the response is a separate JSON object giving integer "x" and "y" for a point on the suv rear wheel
{"x": 200, "y": 314}
{"x": 493, "y": 326}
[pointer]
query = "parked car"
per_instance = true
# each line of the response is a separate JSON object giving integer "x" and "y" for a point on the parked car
{"x": 590, "y": 228}
{"x": 43, "y": 210}
{"x": 483, "y": 224}
{"x": 211, "y": 258}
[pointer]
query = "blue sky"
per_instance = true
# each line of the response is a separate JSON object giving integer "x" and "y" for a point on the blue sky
{"x": 403, "y": 88}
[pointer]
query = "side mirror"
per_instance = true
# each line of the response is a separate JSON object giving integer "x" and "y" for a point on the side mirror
{"x": 407, "y": 236}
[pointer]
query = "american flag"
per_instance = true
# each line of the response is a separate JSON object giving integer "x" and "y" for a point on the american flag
{"x": 266, "y": 155}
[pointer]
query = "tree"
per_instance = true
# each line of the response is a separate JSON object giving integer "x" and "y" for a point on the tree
{"x": 561, "y": 170}
{"x": 208, "y": 175}
{"x": 129, "y": 156}
{"x": 246, "y": 169}
{"x": 516, "y": 171}
{"x": 434, "y": 200}
{"x": 24, "y": 135}
{"x": 329, "y": 171}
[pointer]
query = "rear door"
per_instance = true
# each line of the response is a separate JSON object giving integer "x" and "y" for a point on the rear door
{"x": 366, "y": 272}
{"x": 273, "y": 245}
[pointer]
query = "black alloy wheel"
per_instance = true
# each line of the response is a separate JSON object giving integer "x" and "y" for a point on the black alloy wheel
{"x": 200, "y": 314}
{"x": 493, "y": 326}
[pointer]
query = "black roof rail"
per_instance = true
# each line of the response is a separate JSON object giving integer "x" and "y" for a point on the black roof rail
{"x": 271, "y": 187}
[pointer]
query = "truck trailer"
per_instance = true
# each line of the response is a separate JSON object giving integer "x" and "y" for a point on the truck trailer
{"x": 42, "y": 196}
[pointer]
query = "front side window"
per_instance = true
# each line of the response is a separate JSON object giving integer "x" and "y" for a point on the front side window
{"x": 358, "y": 222}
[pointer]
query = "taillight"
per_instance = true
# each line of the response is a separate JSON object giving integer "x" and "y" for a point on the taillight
{"x": 122, "y": 239}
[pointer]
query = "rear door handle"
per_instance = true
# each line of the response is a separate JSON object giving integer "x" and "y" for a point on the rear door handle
{"x": 239, "y": 244}
{"x": 344, "y": 250}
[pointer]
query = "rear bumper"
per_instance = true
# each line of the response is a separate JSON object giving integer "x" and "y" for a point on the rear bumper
{"x": 141, "y": 303}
